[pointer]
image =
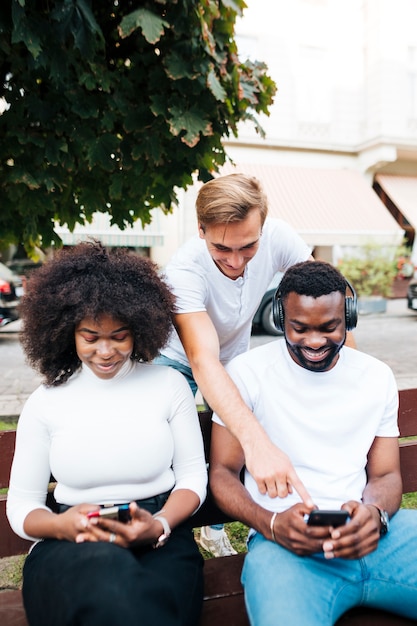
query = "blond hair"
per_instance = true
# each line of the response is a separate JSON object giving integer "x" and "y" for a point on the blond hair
{"x": 230, "y": 199}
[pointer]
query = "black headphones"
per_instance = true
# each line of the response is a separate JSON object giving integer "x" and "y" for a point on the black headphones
{"x": 351, "y": 309}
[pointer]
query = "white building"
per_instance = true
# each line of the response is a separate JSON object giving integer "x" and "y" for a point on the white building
{"x": 342, "y": 132}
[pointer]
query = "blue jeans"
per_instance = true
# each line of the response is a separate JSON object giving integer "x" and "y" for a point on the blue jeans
{"x": 187, "y": 372}
{"x": 283, "y": 588}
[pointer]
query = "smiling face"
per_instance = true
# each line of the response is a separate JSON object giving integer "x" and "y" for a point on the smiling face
{"x": 233, "y": 245}
{"x": 103, "y": 345}
{"x": 315, "y": 329}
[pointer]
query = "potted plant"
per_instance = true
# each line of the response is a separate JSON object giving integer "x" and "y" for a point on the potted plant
{"x": 372, "y": 272}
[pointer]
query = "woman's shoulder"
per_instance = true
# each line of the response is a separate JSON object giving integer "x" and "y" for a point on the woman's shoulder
{"x": 161, "y": 373}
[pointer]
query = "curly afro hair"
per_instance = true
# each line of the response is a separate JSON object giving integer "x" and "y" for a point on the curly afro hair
{"x": 313, "y": 279}
{"x": 88, "y": 281}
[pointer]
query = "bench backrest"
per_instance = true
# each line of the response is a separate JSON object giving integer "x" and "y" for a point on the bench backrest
{"x": 209, "y": 514}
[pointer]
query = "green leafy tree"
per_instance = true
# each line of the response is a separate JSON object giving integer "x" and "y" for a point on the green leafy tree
{"x": 112, "y": 104}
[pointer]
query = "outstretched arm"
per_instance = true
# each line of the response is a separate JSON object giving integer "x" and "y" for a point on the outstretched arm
{"x": 287, "y": 528}
{"x": 226, "y": 463}
{"x": 270, "y": 467}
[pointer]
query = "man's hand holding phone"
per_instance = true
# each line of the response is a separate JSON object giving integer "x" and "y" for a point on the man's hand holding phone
{"x": 328, "y": 520}
{"x": 333, "y": 518}
{"x": 348, "y": 533}
{"x": 354, "y": 539}
{"x": 292, "y": 532}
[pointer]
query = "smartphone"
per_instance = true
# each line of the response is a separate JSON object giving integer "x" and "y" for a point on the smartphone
{"x": 119, "y": 512}
{"x": 327, "y": 518}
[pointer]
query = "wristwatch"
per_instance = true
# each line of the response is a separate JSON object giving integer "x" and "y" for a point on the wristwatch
{"x": 162, "y": 539}
{"x": 384, "y": 520}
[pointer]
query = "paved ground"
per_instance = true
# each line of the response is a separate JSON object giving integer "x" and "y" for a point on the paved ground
{"x": 390, "y": 336}
{"x": 17, "y": 379}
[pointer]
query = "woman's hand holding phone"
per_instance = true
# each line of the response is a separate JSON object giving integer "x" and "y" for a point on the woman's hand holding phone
{"x": 120, "y": 512}
{"x": 140, "y": 529}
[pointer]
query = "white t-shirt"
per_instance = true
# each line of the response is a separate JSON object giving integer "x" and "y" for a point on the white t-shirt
{"x": 199, "y": 285}
{"x": 107, "y": 441}
{"x": 325, "y": 421}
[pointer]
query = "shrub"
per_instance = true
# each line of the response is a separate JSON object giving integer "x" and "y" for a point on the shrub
{"x": 373, "y": 270}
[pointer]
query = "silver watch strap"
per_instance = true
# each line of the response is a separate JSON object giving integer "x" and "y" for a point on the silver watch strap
{"x": 164, "y": 522}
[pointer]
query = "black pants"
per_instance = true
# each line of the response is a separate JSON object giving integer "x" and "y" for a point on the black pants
{"x": 102, "y": 584}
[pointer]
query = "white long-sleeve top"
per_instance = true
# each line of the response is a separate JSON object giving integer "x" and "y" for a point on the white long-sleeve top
{"x": 107, "y": 441}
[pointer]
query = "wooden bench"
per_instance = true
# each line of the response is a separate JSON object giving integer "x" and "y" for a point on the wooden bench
{"x": 223, "y": 598}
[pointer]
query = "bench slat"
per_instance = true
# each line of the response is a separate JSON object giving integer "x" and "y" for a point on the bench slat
{"x": 7, "y": 441}
{"x": 227, "y": 611}
{"x": 10, "y": 543}
{"x": 407, "y": 414}
{"x": 408, "y": 461}
{"x": 223, "y": 576}
{"x": 12, "y": 612}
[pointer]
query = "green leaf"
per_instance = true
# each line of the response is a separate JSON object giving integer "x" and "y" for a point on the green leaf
{"x": 94, "y": 199}
{"x": 53, "y": 148}
{"x": 116, "y": 188}
{"x": 101, "y": 151}
{"x": 23, "y": 32}
{"x": 89, "y": 80}
{"x": 50, "y": 184}
{"x": 177, "y": 67}
{"x": 191, "y": 122}
{"x": 158, "y": 104}
{"x": 89, "y": 18}
{"x": 215, "y": 86}
{"x": 86, "y": 108}
{"x": 19, "y": 175}
{"x": 152, "y": 25}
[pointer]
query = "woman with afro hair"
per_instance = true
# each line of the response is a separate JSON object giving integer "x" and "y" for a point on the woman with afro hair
{"x": 113, "y": 429}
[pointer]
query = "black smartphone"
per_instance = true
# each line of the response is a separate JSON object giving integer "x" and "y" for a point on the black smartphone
{"x": 327, "y": 518}
{"x": 119, "y": 512}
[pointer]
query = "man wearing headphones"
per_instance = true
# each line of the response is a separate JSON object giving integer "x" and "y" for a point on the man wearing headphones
{"x": 333, "y": 410}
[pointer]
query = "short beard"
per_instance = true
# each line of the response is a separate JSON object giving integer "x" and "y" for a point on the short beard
{"x": 316, "y": 366}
